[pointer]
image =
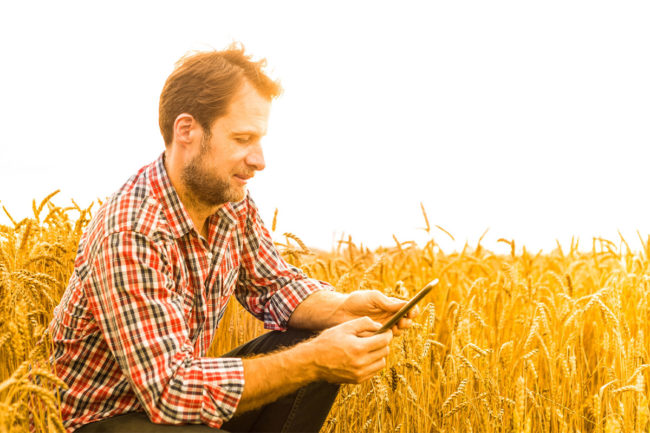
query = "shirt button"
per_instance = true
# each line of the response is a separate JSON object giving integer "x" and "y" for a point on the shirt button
{"x": 210, "y": 256}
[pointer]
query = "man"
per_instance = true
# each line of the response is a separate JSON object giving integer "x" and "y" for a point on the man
{"x": 158, "y": 263}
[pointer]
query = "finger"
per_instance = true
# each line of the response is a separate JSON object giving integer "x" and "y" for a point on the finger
{"x": 369, "y": 358}
{"x": 376, "y": 341}
{"x": 363, "y": 324}
{"x": 414, "y": 312}
{"x": 377, "y": 354}
{"x": 404, "y": 323}
{"x": 392, "y": 304}
{"x": 365, "y": 334}
{"x": 373, "y": 369}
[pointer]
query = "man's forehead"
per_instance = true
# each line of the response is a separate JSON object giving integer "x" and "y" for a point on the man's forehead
{"x": 248, "y": 114}
{"x": 246, "y": 124}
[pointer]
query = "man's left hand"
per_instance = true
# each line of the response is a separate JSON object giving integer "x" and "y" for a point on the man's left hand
{"x": 378, "y": 307}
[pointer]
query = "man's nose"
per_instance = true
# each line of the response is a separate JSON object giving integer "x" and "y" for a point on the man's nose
{"x": 255, "y": 158}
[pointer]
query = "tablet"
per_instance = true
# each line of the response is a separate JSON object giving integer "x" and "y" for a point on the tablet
{"x": 405, "y": 309}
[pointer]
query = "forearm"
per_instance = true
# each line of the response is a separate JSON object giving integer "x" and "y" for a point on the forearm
{"x": 320, "y": 310}
{"x": 348, "y": 353}
{"x": 269, "y": 377}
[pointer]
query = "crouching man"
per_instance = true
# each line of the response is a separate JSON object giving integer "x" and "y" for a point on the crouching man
{"x": 159, "y": 262}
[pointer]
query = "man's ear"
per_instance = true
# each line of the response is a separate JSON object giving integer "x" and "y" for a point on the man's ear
{"x": 185, "y": 129}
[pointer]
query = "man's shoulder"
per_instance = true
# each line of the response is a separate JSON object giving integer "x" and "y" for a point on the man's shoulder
{"x": 133, "y": 208}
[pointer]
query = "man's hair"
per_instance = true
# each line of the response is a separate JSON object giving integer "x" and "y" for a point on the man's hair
{"x": 203, "y": 84}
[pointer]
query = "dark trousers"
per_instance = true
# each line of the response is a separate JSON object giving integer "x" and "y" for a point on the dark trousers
{"x": 303, "y": 411}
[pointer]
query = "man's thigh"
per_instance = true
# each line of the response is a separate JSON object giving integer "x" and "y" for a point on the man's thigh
{"x": 269, "y": 342}
{"x": 138, "y": 422}
{"x": 302, "y": 411}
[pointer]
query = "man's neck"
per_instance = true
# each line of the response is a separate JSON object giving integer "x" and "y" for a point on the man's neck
{"x": 198, "y": 212}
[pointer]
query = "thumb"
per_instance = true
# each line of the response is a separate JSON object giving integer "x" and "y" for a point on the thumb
{"x": 393, "y": 304}
{"x": 363, "y": 324}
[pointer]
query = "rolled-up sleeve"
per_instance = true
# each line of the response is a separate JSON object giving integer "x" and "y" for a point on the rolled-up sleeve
{"x": 132, "y": 294}
{"x": 269, "y": 287}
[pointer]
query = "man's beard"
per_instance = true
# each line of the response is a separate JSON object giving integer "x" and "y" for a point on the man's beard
{"x": 204, "y": 187}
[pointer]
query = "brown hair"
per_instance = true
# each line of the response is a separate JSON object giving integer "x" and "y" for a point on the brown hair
{"x": 204, "y": 82}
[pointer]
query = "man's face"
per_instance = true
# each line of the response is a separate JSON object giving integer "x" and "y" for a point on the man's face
{"x": 231, "y": 153}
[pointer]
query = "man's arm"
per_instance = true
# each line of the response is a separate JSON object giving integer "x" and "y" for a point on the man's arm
{"x": 268, "y": 286}
{"x": 321, "y": 310}
{"x": 132, "y": 295}
{"x": 325, "y": 308}
{"x": 348, "y": 353}
{"x": 281, "y": 295}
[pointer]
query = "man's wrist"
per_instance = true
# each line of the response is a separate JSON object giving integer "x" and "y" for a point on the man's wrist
{"x": 270, "y": 376}
{"x": 341, "y": 314}
{"x": 320, "y": 310}
{"x": 307, "y": 353}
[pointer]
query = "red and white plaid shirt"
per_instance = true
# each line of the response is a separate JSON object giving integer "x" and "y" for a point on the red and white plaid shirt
{"x": 145, "y": 299}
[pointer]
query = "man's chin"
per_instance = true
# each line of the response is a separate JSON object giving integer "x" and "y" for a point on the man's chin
{"x": 236, "y": 195}
{"x": 239, "y": 196}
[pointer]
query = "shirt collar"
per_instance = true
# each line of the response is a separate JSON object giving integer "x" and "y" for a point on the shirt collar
{"x": 176, "y": 214}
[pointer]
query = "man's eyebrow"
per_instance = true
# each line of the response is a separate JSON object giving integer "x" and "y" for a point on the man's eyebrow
{"x": 247, "y": 132}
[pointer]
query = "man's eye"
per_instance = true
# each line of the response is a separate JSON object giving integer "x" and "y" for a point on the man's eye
{"x": 243, "y": 140}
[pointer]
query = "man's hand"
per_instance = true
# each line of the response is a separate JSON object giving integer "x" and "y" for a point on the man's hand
{"x": 346, "y": 353}
{"x": 379, "y": 307}
{"x": 350, "y": 352}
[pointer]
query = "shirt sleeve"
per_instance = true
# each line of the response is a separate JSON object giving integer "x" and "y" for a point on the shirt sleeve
{"x": 132, "y": 294}
{"x": 269, "y": 287}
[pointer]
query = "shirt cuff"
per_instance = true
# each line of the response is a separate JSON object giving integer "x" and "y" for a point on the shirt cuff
{"x": 223, "y": 385}
{"x": 286, "y": 300}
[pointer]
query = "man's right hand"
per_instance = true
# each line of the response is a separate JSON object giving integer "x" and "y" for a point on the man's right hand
{"x": 350, "y": 352}
{"x": 346, "y": 353}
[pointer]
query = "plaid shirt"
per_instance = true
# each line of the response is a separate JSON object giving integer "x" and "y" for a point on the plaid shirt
{"x": 146, "y": 297}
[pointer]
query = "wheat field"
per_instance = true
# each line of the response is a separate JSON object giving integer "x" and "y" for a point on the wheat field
{"x": 521, "y": 342}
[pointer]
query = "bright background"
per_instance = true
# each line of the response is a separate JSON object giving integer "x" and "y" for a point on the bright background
{"x": 527, "y": 118}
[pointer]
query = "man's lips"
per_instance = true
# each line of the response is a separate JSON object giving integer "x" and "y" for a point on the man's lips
{"x": 243, "y": 179}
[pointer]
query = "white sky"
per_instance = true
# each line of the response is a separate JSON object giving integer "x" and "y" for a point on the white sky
{"x": 530, "y": 119}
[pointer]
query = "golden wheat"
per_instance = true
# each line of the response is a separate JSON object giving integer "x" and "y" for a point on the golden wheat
{"x": 508, "y": 342}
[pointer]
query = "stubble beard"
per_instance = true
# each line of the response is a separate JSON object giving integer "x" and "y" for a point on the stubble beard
{"x": 206, "y": 188}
